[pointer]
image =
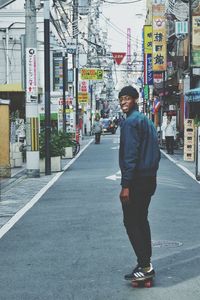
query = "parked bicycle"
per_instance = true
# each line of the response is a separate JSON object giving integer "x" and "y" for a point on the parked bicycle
{"x": 75, "y": 147}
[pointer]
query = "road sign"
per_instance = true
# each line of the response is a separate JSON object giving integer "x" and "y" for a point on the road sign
{"x": 71, "y": 51}
{"x": 71, "y": 45}
{"x": 118, "y": 57}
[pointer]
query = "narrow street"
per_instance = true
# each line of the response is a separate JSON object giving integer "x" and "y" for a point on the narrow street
{"x": 72, "y": 244}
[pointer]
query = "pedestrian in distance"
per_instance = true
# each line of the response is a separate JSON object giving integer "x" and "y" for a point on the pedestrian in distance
{"x": 139, "y": 157}
{"x": 169, "y": 130}
{"x": 97, "y": 129}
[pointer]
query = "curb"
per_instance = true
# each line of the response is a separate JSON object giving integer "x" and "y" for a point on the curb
{"x": 188, "y": 172}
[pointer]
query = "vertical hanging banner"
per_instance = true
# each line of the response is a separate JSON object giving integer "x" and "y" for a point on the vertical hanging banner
{"x": 31, "y": 75}
{"x": 148, "y": 38}
{"x": 159, "y": 38}
{"x": 195, "y": 45}
{"x": 148, "y": 71}
{"x": 128, "y": 57}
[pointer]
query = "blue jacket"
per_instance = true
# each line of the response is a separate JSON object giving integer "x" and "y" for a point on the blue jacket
{"x": 139, "y": 152}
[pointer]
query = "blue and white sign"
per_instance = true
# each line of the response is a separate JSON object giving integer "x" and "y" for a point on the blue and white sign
{"x": 149, "y": 69}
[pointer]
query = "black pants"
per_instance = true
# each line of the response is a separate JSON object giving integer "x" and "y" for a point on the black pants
{"x": 170, "y": 144}
{"x": 97, "y": 137}
{"x": 136, "y": 218}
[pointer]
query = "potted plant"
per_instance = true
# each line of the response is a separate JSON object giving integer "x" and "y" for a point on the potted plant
{"x": 66, "y": 141}
{"x": 56, "y": 151}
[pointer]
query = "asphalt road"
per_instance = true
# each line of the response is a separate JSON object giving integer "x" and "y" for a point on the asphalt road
{"x": 72, "y": 244}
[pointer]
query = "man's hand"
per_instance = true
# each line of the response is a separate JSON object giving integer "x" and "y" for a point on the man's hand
{"x": 124, "y": 195}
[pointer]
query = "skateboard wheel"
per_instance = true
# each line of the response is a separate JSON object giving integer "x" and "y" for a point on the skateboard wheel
{"x": 148, "y": 284}
{"x": 135, "y": 284}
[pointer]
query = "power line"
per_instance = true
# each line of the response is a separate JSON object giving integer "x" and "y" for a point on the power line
{"x": 116, "y": 28}
{"x": 119, "y": 2}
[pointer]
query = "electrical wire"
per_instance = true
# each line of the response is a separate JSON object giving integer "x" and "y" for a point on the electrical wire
{"x": 116, "y": 28}
{"x": 125, "y": 2}
{"x": 181, "y": 11}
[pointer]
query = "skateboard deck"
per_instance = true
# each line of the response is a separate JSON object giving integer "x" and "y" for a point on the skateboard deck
{"x": 148, "y": 283}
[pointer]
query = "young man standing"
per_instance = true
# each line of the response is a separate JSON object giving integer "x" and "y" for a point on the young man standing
{"x": 139, "y": 157}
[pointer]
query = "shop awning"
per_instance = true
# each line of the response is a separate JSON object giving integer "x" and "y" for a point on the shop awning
{"x": 11, "y": 87}
{"x": 193, "y": 95}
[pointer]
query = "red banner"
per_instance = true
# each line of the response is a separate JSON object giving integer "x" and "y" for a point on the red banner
{"x": 118, "y": 57}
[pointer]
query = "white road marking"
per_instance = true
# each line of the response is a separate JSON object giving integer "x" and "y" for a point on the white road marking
{"x": 115, "y": 176}
{"x": 5, "y": 228}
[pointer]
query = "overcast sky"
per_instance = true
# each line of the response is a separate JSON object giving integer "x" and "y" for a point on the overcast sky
{"x": 123, "y": 16}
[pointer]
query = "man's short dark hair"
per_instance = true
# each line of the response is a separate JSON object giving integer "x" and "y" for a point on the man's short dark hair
{"x": 129, "y": 91}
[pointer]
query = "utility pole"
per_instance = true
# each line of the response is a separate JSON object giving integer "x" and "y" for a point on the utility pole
{"x": 47, "y": 87}
{"x": 32, "y": 121}
{"x": 75, "y": 58}
{"x": 190, "y": 43}
{"x": 64, "y": 90}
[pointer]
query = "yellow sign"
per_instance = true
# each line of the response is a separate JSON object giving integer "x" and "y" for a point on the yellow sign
{"x": 83, "y": 97}
{"x": 69, "y": 110}
{"x": 159, "y": 44}
{"x": 91, "y": 74}
{"x": 148, "y": 38}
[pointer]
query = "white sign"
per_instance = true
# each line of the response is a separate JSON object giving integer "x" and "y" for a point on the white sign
{"x": 5, "y": 101}
{"x": 31, "y": 75}
{"x": 71, "y": 43}
{"x": 83, "y": 86}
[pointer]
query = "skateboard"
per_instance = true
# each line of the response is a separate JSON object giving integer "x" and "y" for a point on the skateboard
{"x": 147, "y": 283}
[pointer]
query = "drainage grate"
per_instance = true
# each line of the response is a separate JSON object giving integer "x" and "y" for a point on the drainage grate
{"x": 159, "y": 244}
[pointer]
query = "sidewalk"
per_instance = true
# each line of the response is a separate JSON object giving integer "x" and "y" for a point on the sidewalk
{"x": 17, "y": 191}
{"x": 188, "y": 167}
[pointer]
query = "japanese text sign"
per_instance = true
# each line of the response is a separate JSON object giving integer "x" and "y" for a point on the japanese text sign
{"x": 91, "y": 74}
{"x": 148, "y": 34}
{"x": 159, "y": 40}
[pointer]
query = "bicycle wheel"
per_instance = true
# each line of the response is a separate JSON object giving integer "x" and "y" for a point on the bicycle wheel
{"x": 76, "y": 147}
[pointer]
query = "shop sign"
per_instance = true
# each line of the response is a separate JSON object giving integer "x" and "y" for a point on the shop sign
{"x": 159, "y": 44}
{"x": 91, "y": 74}
{"x": 158, "y": 77}
{"x": 195, "y": 53}
{"x": 83, "y": 86}
{"x": 146, "y": 92}
{"x": 148, "y": 34}
{"x": 83, "y": 97}
{"x": 159, "y": 61}
{"x": 148, "y": 71}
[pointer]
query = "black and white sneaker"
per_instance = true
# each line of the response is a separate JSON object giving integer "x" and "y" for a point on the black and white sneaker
{"x": 140, "y": 272}
{"x": 143, "y": 273}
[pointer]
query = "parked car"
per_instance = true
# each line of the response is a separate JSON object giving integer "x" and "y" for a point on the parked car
{"x": 108, "y": 126}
